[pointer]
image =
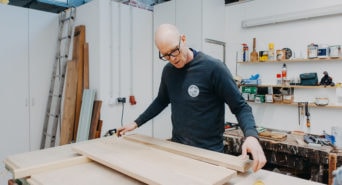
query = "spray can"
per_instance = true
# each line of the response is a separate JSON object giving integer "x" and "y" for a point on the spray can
{"x": 283, "y": 73}
{"x": 245, "y": 53}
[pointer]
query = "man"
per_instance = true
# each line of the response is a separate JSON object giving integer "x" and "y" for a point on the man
{"x": 197, "y": 86}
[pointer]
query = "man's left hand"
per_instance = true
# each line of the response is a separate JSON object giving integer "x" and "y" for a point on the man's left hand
{"x": 252, "y": 145}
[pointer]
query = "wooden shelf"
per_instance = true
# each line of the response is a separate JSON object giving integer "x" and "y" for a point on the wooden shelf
{"x": 296, "y": 104}
{"x": 297, "y": 86}
{"x": 295, "y": 60}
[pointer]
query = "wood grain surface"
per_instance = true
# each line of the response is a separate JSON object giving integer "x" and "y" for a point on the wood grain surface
{"x": 153, "y": 166}
{"x": 216, "y": 158}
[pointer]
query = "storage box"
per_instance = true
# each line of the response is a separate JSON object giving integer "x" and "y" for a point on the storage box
{"x": 269, "y": 98}
{"x": 249, "y": 89}
{"x": 287, "y": 98}
{"x": 259, "y": 98}
{"x": 277, "y": 98}
{"x": 251, "y": 82}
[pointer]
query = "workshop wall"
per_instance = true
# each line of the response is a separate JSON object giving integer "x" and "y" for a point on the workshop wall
{"x": 295, "y": 35}
{"x": 120, "y": 42}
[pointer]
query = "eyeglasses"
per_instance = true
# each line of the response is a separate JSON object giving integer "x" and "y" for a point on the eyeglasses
{"x": 173, "y": 53}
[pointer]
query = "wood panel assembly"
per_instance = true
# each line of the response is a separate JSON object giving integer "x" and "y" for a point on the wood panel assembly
{"x": 90, "y": 173}
{"x": 153, "y": 166}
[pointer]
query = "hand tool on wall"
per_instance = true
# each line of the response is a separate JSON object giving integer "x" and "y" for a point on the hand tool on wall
{"x": 307, "y": 114}
{"x": 254, "y": 54}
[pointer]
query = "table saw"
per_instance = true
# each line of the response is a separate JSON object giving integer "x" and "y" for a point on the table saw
{"x": 137, "y": 159}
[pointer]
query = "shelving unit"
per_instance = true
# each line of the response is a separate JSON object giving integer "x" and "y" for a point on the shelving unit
{"x": 295, "y": 60}
{"x": 296, "y": 104}
{"x": 299, "y": 86}
{"x": 311, "y": 104}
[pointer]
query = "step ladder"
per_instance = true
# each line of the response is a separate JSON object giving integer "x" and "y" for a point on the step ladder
{"x": 53, "y": 110}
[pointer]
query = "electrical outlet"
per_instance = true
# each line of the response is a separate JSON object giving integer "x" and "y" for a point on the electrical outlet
{"x": 121, "y": 100}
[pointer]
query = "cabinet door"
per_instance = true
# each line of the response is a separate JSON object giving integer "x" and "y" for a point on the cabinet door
{"x": 14, "y": 110}
{"x": 43, "y": 31}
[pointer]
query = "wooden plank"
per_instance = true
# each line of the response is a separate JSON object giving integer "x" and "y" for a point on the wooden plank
{"x": 269, "y": 178}
{"x": 29, "y": 163}
{"x": 220, "y": 159}
{"x": 86, "y": 174}
{"x": 69, "y": 104}
{"x": 86, "y": 66}
{"x": 85, "y": 116}
{"x": 78, "y": 44}
{"x": 95, "y": 119}
{"x": 332, "y": 167}
{"x": 153, "y": 166}
{"x": 99, "y": 129}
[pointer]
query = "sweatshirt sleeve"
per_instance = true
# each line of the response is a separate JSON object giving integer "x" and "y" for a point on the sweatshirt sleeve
{"x": 228, "y": 90}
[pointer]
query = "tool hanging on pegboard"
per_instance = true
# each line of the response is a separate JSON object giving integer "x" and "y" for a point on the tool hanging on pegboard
{"x": 66, "y": 24}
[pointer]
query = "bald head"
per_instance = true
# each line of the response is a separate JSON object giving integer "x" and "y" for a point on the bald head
{"x": 172, "y": 45}
{"x": 166, "y": 35}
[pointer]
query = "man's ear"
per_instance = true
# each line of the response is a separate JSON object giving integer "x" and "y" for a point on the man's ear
{"x": 183, "y": 38}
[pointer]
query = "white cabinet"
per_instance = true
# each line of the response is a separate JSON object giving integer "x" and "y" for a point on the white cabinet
{"x": 27, "y": 53}
{"x": 14, "y": 107}
{"x": 198, "y": 20}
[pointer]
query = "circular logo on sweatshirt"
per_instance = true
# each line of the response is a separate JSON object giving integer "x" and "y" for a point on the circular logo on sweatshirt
{"x": 193, "y": 91}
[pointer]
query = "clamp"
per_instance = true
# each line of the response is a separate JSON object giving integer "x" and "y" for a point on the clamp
{"x": 110, "y": 132}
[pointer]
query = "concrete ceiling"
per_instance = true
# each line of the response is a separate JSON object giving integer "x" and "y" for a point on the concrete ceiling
{"x": 56, "y": 6}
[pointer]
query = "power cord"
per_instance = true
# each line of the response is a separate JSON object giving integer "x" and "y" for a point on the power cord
{"x": 113, "y": 131}
{"x": 122, "y": 112}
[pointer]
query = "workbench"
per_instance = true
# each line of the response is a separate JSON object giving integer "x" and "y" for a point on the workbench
{"x": 65, "y": 165}
{"x": 293, "y": 157}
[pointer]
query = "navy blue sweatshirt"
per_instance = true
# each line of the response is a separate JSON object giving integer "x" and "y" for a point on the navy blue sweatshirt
{"x": 197, "y": 93}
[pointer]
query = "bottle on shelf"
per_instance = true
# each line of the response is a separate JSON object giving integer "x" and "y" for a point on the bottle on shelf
{"x": 254, "y": 54}
{"x": 279, "y": 81}
{"x": 284, "y": 74}
{"x": 245, "y": 53}
{"x": 271, "y": 55}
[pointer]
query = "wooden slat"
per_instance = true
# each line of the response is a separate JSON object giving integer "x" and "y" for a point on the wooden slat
{"x": 86, "y": 66}
{"x": 83, "y": 174}
{"x": 220, "y": 159}
{"x": 332, "y": 167}
{"x": 99, "y": 129}
{"x": 95, "y": 119}
{"x": 85, "y": 116}
{"x": 69, "y": 105}
{"x": 29, "y": 163}
{"x": 78, "y": 44}
{"x": 269, "y": 178}
{"x": 153, "y": 166}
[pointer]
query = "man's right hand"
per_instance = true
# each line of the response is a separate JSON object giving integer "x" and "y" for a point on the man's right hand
{"x": 127, "y": 128}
